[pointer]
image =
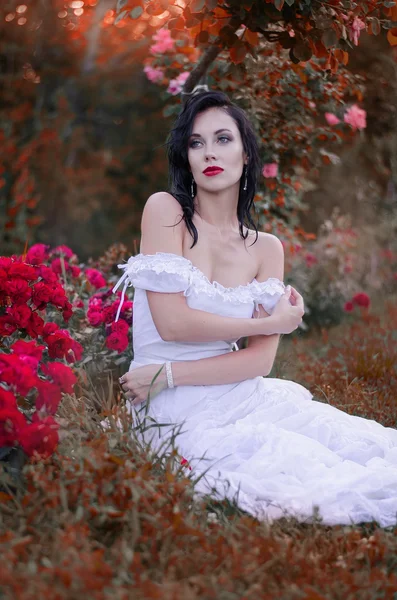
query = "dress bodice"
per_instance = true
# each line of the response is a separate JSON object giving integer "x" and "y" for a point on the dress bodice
{"x": 171, "y": 273}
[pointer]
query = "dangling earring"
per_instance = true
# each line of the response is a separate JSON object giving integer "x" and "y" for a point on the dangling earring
{"x": 192, "y": 188}
{"x": 246, "y": 179}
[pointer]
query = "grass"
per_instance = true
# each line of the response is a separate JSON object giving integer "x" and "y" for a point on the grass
{"x": 106, "y": 518}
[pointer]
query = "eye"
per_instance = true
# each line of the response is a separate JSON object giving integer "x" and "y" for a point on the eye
{"x": 224, "y": 137}
{"x": 193, "y": 142}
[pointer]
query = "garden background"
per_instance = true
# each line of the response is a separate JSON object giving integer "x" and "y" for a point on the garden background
{"x": 89, "y": 91}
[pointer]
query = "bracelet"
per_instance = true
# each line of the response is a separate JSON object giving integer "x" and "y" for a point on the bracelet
{"x": 170, "y": 379}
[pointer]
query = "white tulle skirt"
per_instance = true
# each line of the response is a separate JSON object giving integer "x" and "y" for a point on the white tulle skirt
{"x": 267, "y": 444}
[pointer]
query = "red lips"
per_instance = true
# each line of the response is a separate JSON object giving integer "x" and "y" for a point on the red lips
{"x": 212, "y": 170}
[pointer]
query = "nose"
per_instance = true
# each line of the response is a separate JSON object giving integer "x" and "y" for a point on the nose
{"x": 210, "y": 154}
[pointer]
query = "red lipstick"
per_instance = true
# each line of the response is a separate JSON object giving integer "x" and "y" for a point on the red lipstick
{"x": 210, "y": 171}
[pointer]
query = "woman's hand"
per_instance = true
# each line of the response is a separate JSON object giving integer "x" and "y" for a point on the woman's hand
{"x": 288, "y": 312}
{"x": 138, "y": 383}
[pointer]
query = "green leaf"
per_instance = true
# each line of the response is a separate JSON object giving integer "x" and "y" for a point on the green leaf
{"x": 329, "y": 38}
{"x": 196, "y": 6}
{"x": 121, "y": 4}
{"x": 120, "y": 16}
{"x": 136, "y": 12}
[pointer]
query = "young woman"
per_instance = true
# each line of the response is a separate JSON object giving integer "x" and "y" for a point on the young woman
{"x": 202, "y": 274}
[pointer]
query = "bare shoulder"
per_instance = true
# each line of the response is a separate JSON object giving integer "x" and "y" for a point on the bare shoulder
{"x": 162, "y": 205}
{"x": 270, "y": 255}
{"x": 162, "y": 224}
{"x": 269, "y": 243}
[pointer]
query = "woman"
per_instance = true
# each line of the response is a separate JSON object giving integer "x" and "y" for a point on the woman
{"x": 201, "y": 276}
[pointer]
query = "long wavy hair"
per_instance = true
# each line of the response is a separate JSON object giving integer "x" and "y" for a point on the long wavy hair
{"x": 180, "y": 176}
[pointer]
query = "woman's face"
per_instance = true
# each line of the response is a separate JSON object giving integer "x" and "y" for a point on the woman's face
{"x": 216, "y": 142}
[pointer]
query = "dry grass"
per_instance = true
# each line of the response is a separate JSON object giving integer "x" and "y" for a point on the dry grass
{"x": 104, "y": 518}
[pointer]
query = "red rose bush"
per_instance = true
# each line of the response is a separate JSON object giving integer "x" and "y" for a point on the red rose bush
{"x": 49, "y": 307}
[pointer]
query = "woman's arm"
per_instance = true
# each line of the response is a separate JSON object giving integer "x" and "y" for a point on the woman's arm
{"x": 258, "y": 357}
{"x": 173, "y": 318}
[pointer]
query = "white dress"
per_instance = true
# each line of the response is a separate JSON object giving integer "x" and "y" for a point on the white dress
{"x": 265, "y": 442}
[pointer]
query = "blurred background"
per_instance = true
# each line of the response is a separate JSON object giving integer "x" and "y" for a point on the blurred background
{"x": 84, "y": 115}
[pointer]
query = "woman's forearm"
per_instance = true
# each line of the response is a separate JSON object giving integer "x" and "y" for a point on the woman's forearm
{"x": 201, "y": 326}
{"x": 232, "y": 367}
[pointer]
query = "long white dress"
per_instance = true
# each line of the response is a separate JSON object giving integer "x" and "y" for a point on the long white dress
{"x": 264, "y": 442}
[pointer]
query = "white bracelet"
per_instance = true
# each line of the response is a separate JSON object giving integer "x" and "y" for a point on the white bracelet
{"x": 170, "y": 379}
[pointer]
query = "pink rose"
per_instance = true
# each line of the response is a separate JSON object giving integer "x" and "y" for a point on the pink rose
{"x": 349, "y": 306}
{"x": 153, "y": 74}
{"x": 95, "y": 278}
{"x": 331, "y": 118}
{"x": 356, "y": 117}
{"x": 94, "y": 317}
{"x": 355, "y": 30}
{"x": 176, "y": 85}
{"x": 164, "y": 42}
{"x": 270, "y": 170}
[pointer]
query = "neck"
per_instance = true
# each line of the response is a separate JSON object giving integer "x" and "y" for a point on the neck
{"x": 218, "y": 209}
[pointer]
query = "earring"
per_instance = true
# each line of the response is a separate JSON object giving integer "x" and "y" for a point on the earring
{"x": 192, "y": 188}
{"x": 246, "y": 179}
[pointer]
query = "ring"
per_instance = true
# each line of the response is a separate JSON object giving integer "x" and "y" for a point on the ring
{"x": 121, "y": 380}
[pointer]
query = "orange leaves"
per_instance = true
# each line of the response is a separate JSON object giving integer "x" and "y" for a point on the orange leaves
{"x": 392, "y": 37}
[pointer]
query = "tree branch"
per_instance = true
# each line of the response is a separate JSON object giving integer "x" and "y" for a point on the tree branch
{"x": 206, "y": 60}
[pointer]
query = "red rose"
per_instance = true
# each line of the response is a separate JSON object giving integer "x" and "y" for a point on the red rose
{"x": 37, "y": 254}
{"x": 117, "y": 341}
{"x": 28, "y": 349}
{"x": 47, "y": 275}
{"x": 16, "y": 374}
{"x": 12, "y": 423}
{"x": 75, "y": 271}
{"x": 361, "y": 299}
{"x": 7, "y": 399}
{"x": 49, "y": 328}
{"x": 56, "y": 266}
{"x": 62, "y": 375}
{"x": 48, "y": 398}
{"x": 58, "y": 344}
{"x": 109, "y": 313}
{"x": 41, "y": 294}
{"x": 349, "y": 306}
{"x": 120, "y": 327}
{"x": 19, "y": 291}
{"x": 40, "y": 437}
{"x": 35, "y": 326}
{"x": 75, "y": 353}
{"x": 95, "y": 318}
{"x": 5, "y": 263}
{"x": 23, "y": 271}
{"x": 20, "y": 315}
{"x": 58, "y": 297}
{"x": 67, "y": 314}
{"x": 7, "y": 326}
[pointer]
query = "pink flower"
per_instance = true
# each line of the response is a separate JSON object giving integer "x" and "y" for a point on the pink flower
{"x": 37, "y": 254}
{"x": 64, "y": 250}
{"x": 95, "y": 278}
{"x": 349, "y": 306}
{"x": 355, "y": 30}
{"x": 356, "y": 117}
{"x": 94, "y": 317}
{"x": 164, "y": 42}
{"x": 310, "y": 259}
{"x": 331, "y": 118}
{"x": 176, "y": 85}
{"x": 153, "y": 74}
{"x": 270, "y": 170}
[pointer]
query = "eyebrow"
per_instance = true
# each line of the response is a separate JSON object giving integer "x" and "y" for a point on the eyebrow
{"x": 216, "y": 132}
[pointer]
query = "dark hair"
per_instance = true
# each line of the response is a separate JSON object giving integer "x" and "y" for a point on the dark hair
{"x": 180, "y": 177}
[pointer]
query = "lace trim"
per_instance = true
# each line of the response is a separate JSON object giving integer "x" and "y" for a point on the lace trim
{"x": 194, "y": 279}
